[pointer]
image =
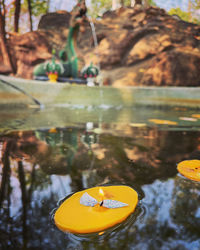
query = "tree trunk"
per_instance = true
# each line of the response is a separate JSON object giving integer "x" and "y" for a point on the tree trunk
{"x": 5, "y": 179}
{"x": 30, "y": 15}
{"x": 22, "y": 181}
{"x": 3, "y": 41}
{"x": 17, "y": 14}
{"x": 138, "y": 2}
{"x": 146, "y": 4}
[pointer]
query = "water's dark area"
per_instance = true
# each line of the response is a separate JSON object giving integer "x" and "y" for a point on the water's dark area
{"x": 40, "y": 167}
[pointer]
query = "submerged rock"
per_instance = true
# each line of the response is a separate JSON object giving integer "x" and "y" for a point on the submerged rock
{"x": 135, "y": 47}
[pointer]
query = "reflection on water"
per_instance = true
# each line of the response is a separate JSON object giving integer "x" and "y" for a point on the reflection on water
{"x": 40, "y": 168}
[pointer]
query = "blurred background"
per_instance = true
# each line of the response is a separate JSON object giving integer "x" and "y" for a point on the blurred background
{"x": 188, "y": 10}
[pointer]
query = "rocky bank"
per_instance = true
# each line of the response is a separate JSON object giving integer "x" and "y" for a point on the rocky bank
{"x": 136, "y": 47}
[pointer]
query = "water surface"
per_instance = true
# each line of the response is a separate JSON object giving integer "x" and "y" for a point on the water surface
{"x": 41, "y": 164}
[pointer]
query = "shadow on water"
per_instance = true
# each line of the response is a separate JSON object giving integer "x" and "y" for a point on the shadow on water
{"x": 39, "y": 168}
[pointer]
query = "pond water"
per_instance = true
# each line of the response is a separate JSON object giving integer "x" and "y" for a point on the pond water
{"x": 42, "y": 163}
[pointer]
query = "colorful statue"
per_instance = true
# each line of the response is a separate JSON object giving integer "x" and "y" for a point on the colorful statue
{"x": 67, "y": 66}
{"x": 90, "y": 71}
{"x": 53, "y": 69}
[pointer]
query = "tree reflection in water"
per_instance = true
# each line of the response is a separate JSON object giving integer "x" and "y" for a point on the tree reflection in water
{"x": 185, "y": 210}
{"x": 41, "y": 167}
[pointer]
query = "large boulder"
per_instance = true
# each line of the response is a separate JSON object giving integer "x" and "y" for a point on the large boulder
{"x": 149, "y": 47}
{"x": 54, "y": 20}
{"x": 135, "y": 47}
{"x": 28, "y": 50}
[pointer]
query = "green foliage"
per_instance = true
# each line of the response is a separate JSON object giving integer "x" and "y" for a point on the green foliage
{"x": 151, "y": 3}
{"x": 196, "y": 4}
{"x": 98, "y": 7}
{"x": 39, "y": 7}
{"x": 183, "y": 15}
{"x": 10, "y": 9}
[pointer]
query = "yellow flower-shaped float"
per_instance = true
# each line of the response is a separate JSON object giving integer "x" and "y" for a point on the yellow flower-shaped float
{"x": 196, "y": 116}
{"x": 190, "y": 169}
{"x": 162, "y": 122}
{"x": 96, "y": 209}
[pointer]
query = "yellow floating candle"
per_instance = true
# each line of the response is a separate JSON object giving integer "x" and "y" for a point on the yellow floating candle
{"x": 190, "y": 169}
{"x": 164, "y": 122}
{"x": 74, "y": 217}
{"x": 196, "y": 116}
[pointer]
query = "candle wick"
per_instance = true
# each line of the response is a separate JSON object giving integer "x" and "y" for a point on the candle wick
{"x": 101, "y": 204}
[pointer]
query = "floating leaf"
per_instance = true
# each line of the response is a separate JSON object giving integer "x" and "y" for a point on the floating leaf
{"x": 138, "y": 125}
{"x": 165, "y": 122}
{"x": 113, "y": 204}
{"x": 190, "y": 119}
{"x": 88, "y": 200}
{"x": 180, "y": 108}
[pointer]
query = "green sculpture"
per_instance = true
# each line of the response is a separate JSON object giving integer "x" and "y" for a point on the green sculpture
{"x": 90, "y": 71}
{"x": 53, "y": 69}
{"x": 67, "y": 67}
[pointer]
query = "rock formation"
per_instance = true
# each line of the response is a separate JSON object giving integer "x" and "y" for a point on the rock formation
{"x": 149, "y": 47}
{"x": 136, "y": 47}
